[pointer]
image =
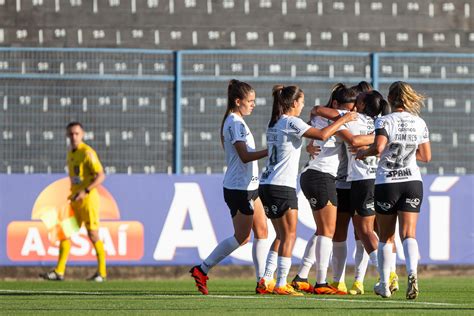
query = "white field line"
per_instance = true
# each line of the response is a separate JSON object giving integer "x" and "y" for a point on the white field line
{"x": 232, "y": 297}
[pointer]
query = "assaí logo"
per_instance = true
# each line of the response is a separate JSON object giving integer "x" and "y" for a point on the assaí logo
{"x": 28, "y": 240}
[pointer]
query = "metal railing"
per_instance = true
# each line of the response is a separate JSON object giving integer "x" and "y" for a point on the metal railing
{"x": 174, "y": 101}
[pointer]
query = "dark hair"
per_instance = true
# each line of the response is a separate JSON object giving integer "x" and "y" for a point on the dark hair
{"x": 74, "y": 123}
{"x": 235, "y": 90}
{"x": 362, "y": 87}
{"x": 375, "y": 104}
{"x": 283, "y": 98}
{"x": 345, "y": 95}
{"x": 338, "y": 86}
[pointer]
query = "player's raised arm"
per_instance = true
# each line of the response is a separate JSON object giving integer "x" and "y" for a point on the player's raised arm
{"x": 325, "y": 133}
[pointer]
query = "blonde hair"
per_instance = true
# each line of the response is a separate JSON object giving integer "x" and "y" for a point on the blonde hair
{"x": 402, "y": 95}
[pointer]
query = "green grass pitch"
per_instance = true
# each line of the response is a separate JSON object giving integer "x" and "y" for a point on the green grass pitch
{"x": 439, "y": 295}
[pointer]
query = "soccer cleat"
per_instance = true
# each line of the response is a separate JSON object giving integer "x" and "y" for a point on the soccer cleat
{"x": 357, "y": 288}
{"x": 302, "y": 285}
{"x": 412, "y": 289}
{"x": 382, "y": 290}
{"x": 286, "y": 290}
{"x": 265, "y": 287}
{"x": 200, "y": 278}
{"x": 326, "y": 289}
{"x": 341, "y": 286}
{"x": 52, "y": 276}
{"x": 393, "y": 282}
{"x": 97, "y": 278}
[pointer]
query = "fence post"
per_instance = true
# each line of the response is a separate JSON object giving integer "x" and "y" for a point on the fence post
{"x": 374, "y": 69}
{"x": 177, "y": 115}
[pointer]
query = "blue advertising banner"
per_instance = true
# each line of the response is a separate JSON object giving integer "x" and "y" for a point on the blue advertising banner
{"x": 178, "y": 220}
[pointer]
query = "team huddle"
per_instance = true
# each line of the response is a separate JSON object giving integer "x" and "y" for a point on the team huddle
{"x": 363, "y": 166}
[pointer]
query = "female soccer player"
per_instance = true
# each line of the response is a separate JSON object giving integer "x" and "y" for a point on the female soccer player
{"x": 240, "y": 185}
{"x": 401, "y": 139}
{"x": 344, "y": 216}
{"x": 278, "y": 181}
{"x": 318, "y": 184}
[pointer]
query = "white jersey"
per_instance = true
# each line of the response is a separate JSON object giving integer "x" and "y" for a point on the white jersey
{"x": 284, "y": 150}
{"x": 239, "y": 175}
{"x": 327, "y": 160}
{"x": 361, "y": 169}
{"x": 405, "y": 132}
{"x": 341, "y": 178}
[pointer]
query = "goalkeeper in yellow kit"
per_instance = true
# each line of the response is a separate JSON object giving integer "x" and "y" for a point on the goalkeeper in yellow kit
{"x": 86, "y": 174}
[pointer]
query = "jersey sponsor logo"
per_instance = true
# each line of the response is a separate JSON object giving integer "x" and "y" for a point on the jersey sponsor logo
{"x": 294, "y": 127}
{"x": 76, "y": 170}
{"x": 265, "y": 174}
{"x": 413, "y": 202}
{"x": 76, "y": 180}
{"x": 399, "y": 173}
{"x": 384, "y": 206}
{"x": 272, "y": 135}
{"x": 381, "y": 124}
{"x": 406, "y": 126}
{"x": 231, "y": 134}
{"x": 243, "y": 131}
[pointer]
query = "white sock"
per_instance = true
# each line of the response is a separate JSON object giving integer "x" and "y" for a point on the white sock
{"x": 323, "y": 253}
{"x": 410, "y": 248}
{"x": 339, "y": 258}
{"x": 223, "y": 249}
{"x": 373, "y": 258}
{"x": 361, "y": 261}
{"x": 384, "y": 253}
{"x": 393, "y": 267}
{"x": 271, "y": 266}
{"x": 284, "y": 265}
{"x": 259, "y": 256}
{"x": 309, "y": 258}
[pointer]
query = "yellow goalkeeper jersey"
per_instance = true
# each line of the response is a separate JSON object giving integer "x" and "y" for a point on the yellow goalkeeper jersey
{"x": 83, "y": 166}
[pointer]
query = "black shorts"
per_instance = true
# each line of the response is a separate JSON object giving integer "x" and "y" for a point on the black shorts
{"x": 362, "y": 197}
{"x": 277, "y": 199}
{"x": 344, "y": 201}
{"x": 391, "y": 198}
{"x": 240, "y": 200}
{"x": 319, "y": 188}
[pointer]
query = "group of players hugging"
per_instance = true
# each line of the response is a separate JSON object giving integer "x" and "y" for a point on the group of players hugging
{"x": 363, "y": 152}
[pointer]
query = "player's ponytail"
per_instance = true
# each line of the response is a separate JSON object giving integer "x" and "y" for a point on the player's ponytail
{"x": 235, "y": 90}
{"x": 375, "y": 104}
{"x": 337, "y": 87}
{"x": 277, "y": 110}
{"x": 283, "y": 98}
{"x": 362, "y": 87}
{"x": 345, "y": 95}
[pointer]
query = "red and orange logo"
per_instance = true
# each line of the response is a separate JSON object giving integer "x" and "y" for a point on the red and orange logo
{"x": 28, "y": 240}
